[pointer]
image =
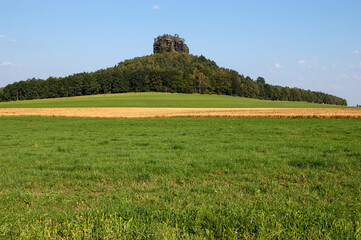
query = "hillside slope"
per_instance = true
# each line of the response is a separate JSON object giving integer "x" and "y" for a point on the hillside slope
{"x": 159, "y": 100}
{"x": 161, "y": 72}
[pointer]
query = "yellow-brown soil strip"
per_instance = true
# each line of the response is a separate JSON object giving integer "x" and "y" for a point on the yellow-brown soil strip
{"x": 184, "y": 112}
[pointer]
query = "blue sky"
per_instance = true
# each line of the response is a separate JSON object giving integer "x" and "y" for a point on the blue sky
{"x": 313, "y": 45}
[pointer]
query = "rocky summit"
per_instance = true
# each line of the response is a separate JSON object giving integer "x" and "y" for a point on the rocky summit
{"x": 169, "y": 43}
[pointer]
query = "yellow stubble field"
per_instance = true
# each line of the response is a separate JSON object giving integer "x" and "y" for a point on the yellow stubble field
{"x": 138, "y": 112}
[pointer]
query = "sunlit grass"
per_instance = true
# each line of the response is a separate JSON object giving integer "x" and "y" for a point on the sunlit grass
{"x": 159, "y": 100}
{"x": 179, "y": 178}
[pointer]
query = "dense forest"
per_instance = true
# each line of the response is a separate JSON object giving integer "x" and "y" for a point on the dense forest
{"x": 161, "y": 72}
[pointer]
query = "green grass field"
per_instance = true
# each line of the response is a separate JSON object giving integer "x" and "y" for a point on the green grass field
{"x": 159, "y": 100}
{"x": 179, "y": 178}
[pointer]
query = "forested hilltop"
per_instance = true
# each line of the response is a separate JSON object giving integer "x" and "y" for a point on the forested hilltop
{"x": 161, "y": 72}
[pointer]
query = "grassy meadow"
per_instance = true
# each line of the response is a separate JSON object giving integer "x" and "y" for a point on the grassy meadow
{"x": 166, "y": 100}
{"x": 179, "y": 178}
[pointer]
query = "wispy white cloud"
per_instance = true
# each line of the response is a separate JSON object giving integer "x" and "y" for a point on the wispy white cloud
{"x": 357, "y": 77}
{"x": 356, "y": 52}
{"x": 156, "y": 7}
{"x": 9, "y": 64}
{"x": 305, "y": 63}
{"x": 309, "y": 64}
{"x": 302, "y": 62}
{"x": 277, "y": 65}
{"x": 7, "y": 38}
{"x": 327, "y": 68}
{"x": 353, "y": 76}
{"x": 355, "y": 67}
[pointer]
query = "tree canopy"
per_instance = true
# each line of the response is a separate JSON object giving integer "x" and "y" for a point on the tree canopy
{"x": 161, "y": 72}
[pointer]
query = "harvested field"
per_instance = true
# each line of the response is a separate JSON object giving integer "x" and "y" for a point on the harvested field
{"x": 184, "y": 112}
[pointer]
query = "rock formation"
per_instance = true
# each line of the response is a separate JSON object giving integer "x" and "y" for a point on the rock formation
{"x": 169, "y": 43}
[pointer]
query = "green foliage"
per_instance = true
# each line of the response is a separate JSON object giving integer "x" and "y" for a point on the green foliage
{"x": 180, "y": 178}
{"x": 165, "y": 72}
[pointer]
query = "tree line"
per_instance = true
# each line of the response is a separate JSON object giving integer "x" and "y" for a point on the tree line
{"x": 163, "y": 72}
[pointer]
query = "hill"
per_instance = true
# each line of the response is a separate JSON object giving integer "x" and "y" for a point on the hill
{"x": 162, "y": 72}
{"x": 156, "y": 100}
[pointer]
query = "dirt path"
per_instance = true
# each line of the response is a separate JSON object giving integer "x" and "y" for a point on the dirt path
{"x": 183, "y": 112}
